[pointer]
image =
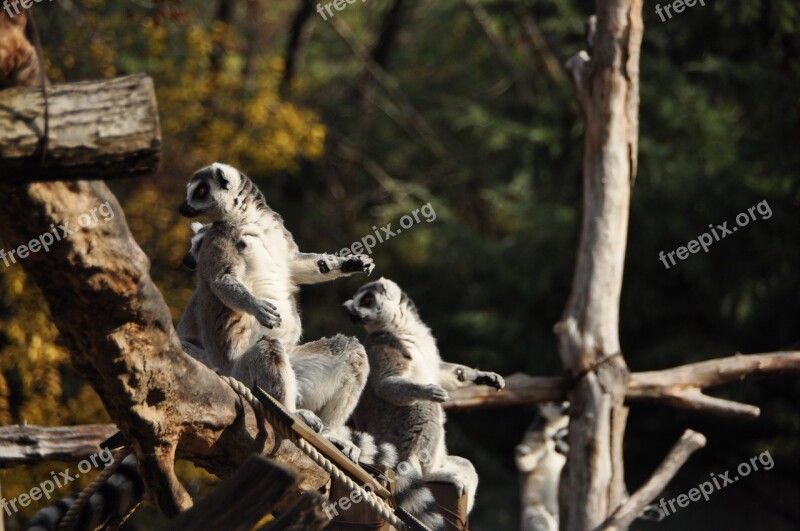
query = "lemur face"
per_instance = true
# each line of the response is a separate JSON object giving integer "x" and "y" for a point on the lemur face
{"x": 376, "y": 302}
{"x": 199, "y": 230}
{"x": 211, "y": 192}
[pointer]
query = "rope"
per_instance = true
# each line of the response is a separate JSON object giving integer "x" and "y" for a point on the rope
{"x": 286, "y": 432}
{"x": 69, "y": 520}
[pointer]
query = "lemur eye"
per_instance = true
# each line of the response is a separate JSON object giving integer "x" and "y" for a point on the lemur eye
{"x": 367, "y": 300}
{"x": 201, "y": 191}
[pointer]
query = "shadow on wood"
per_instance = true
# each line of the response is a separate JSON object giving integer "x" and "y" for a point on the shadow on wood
{"x": 254, "y": 491}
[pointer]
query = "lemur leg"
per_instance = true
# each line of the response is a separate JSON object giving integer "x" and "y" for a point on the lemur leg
{"x": 331, "y": 374}
{"x": 266, "y": 365}
{"x": 459, "y": 472}
{"x": 313, "y": 268}
{"x": 197, "y": 353}
{"x": 453, "y": 376}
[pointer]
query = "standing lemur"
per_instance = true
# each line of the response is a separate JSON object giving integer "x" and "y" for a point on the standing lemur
{"x": 540, "y": 458}
{"x": 407, "y": 382}
{"x": 243, "y": 319}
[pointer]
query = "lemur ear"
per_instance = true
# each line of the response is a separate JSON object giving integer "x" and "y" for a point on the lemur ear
{"x": 196, "y": 226}
{"x": 223, "y": 181}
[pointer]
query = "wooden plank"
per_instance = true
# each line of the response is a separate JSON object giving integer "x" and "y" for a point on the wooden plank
{"x": 358, "y": 474}
{"x": 103, "y": 129}
{"x": 306, "y": 515}
{"x": 24, "y": 445}
{"x": 239, "y": 503}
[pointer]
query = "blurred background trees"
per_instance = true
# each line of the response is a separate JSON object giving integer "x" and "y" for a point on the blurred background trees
{"x": 355, "y": 121}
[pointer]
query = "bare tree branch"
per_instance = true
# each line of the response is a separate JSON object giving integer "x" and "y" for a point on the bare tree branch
{"x": 626, "y": 513}
{"x": 679, "y": 386}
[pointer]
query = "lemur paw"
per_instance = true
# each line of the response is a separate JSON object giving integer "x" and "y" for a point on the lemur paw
{"x": 448, "y": 477}
{"x": 492, "y": 379}
{"x": 311, "y": 419}
{"x": 267, "y": 314}
{"x": 349, "y": 449}
{"x": 359, "y": 263}
{"x": 434, "y": 393}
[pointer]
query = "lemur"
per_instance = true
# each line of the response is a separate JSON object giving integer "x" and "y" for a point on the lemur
{"x": 540, "y": 458}
{"x": 243, "y": 320}
{"x": 407, "y": 382}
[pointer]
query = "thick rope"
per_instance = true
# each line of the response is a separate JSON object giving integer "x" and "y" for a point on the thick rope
{"x": 69, "y": 520}
{"x": 286, "y": 432}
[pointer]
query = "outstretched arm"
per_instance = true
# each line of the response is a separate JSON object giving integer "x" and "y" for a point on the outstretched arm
{"x": 403, "y": 392}
{"x": 454, "y": 376}
{"x": 313, "y": 268}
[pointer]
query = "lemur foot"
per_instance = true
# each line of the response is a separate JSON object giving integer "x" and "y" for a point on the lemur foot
{"x": 434, "y": 393}
{"x": 311, "y": 419}
{"x": 359, "y": 263}
{"x": 267, "y": 314}
{"x": 492, "y": 379}
{"x": 448, "y": 477}
{"x": 349, "y": 449}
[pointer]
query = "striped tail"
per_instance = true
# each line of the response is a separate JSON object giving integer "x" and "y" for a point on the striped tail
{"x": 411, "y": 493}
{"x": 113, "y": 501}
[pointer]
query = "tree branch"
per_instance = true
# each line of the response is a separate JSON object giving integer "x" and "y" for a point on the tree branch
{"x": 626, "y": 513}
{"x": 679, "y": 386}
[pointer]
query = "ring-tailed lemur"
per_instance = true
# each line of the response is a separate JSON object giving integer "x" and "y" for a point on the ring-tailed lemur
{"x": 407, "y": 382}
{"x": 540, "y": 458}
{"x": 243, "y": 320}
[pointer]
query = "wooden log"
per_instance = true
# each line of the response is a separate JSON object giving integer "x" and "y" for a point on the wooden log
{"x": 248, "y": 496}
{"x": 24, "y": 445}
{"x": 103, "y": 129}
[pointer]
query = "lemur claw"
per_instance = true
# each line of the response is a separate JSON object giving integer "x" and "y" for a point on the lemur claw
{"x": 492, "y": 379}
{"x": 311, "y": 419}
{"x": 435, "y": 393}
{"x": 349, "y": 449}
{"x": 359, "y": 263}
{"x": 267, "y": 314}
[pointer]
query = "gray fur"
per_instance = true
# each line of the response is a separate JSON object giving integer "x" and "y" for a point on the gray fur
{"x": 244, "y": 318}
{"x": 408, "y": 380}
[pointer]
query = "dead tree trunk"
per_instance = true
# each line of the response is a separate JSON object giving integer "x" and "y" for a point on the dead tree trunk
{"x": 606, "y": 82}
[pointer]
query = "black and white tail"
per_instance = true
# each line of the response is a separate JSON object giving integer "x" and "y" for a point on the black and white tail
{"x": 123, "y": 491}
{"x": 411, "y": 493}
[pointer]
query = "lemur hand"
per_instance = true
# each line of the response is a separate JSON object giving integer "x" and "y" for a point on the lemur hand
{"x": 359, "y": 263}
{"x": 492, "y": 379}
{"x": 267, "y": 314}
{"x": 434, "y": 393}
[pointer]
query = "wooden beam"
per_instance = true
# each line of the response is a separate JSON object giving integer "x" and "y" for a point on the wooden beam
{"x": 257, "y": 488}
{"x": 103, "y": 129}
{"x": 25, "y": 445}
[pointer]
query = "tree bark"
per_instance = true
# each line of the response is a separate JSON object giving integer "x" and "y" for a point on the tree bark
{"x": 98, "y": 130}
{"x": 607, "y": 87}
{"x": 120, "y": 335}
